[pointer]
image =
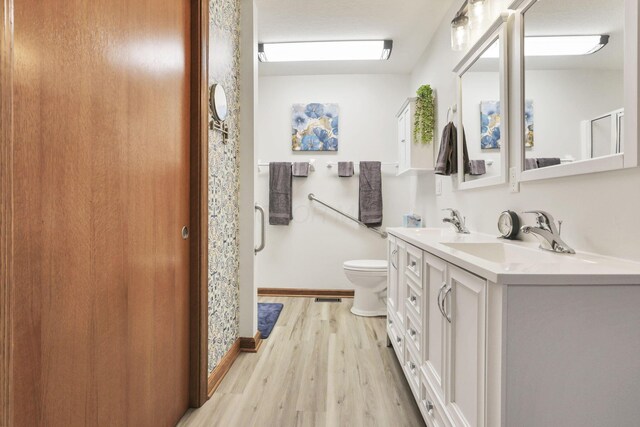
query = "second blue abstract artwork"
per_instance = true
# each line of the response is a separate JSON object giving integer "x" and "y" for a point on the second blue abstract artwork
{"x": 315, "y": 127}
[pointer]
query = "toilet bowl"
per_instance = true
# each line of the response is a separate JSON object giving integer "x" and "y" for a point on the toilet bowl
{"x": 369, "y": 278}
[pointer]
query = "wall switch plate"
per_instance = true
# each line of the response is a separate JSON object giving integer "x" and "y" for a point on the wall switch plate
{"x": 438, "y": 186}
{"x": 513, "y": 180}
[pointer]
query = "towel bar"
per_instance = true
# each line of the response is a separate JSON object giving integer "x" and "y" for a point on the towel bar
{"x": 312, "y": 167}
{"x": 332, "y": 164}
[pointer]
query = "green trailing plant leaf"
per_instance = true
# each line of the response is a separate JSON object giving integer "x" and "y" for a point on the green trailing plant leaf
{"x": 425, "y": 115}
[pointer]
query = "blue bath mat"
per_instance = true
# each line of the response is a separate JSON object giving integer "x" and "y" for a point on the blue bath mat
{"x": 268, "y": 313}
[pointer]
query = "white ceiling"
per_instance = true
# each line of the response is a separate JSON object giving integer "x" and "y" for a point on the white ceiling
{"x": 409, "y": 23}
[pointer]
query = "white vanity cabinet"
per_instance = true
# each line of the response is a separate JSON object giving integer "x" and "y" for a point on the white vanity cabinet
{"x": 486, "y": 344}
{"x": 443, "y": 360}
{"x": 412, "y": 157}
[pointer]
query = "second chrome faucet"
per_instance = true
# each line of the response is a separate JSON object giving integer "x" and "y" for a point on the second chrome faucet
{"x": 547, "y": 232}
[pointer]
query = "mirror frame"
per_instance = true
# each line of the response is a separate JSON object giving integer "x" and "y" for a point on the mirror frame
{"x": 497, "y": 31}
{"x": 628, "y": 158}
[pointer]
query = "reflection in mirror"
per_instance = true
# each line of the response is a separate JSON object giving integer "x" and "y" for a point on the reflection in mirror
{"x": 573, "y": 81}
{"x": 481, "y": 118}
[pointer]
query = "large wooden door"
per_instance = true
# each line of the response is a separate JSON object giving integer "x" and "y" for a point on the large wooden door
{"x": 100, "y": 195}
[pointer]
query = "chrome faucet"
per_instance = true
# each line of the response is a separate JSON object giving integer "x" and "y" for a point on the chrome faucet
{"x": 548, "y": 233}
{"x": 457, "y": 220}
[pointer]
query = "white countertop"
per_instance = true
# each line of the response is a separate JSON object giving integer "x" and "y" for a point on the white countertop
{"x": 523, "y": 264}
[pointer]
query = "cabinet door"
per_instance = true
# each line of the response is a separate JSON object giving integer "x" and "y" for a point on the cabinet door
{"x": 435, "y": 327}
{"x": 408, "y": 125}
{"x": 402, "y": 281}
{"x": 392, "y": 285}
{"x": 402, "y": 142}
{"x": 465, "y": 304}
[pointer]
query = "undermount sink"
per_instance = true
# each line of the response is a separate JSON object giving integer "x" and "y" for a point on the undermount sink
{"x": 503, "y": 253}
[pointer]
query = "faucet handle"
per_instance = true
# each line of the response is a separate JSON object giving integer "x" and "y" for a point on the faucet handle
{"x": 545, "y": 220}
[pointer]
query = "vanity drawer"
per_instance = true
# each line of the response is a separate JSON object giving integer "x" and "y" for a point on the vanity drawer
{"x": 412, "y": 370}
{"x": 413, "y": 266}
{"x": 413, "y": 298}
{"x": 396, "y": 338}
{"x": 413, "y": 333}
{"x": 432, "y": 409}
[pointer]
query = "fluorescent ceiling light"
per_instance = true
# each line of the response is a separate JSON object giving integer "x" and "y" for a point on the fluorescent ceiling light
{"x": 356, "y": 50}
{"x": 556, "y": 46}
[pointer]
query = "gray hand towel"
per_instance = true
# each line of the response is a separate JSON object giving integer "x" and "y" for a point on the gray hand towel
{"x": 543, "y": 162}
{"x": 345, "y": 169}
{"x": 477, "y": 167}
{"x": 301, "y": 169}
{"x": 447, "y": 163}
{"x": 280, "y": 182}
{"x": 530, "y": 164}
{"x": 443, "y": 166}
{"x": 370, "y": 194}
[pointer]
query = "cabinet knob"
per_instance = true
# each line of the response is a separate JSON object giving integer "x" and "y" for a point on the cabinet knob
{"x": 429, "y": 406}
{"x": 412, "y": 332}
{"x": 390, "y": 321}
{"x": 412, "y": 366}
{"x": 413, "y": 299}
{"x": 398, "y": 339}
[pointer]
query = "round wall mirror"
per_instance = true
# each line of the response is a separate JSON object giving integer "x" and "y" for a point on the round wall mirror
{"x": 218, "y": 102}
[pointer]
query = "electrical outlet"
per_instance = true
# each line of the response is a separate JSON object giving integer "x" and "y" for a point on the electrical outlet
{"x": 513, "y": 180}
{"x": 438, "y": 186}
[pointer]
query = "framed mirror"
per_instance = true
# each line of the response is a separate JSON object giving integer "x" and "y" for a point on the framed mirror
{"x": 483, "y": 109}
{"x": 218, "y": 102}
{"x": 576, "y": 78}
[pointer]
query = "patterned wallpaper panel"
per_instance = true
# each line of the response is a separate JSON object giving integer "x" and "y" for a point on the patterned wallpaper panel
{"x": 224, "y": 32}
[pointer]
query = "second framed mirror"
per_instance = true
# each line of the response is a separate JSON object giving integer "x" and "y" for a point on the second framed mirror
{"x": 483, "y": 109}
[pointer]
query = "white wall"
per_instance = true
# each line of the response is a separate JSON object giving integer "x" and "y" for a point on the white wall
{"x": 600, "y": 210}
{"x": 310, "y": 251}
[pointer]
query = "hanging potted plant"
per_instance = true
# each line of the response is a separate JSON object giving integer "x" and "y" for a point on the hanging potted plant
{"x": 425, "y": 115}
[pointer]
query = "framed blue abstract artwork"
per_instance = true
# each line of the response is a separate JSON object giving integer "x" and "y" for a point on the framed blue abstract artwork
{"x": 314, "y": 127}
{"x": 489, "y": 124}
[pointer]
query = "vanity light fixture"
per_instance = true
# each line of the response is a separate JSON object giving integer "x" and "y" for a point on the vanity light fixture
{"x": 478, "y": 12}
{"x": 353, "y": 50}
{"x": 460, "y": 31}
{"x": 557, "y": 46}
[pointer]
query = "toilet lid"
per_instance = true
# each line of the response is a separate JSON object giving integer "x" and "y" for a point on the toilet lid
{"x": 366, "y": 264}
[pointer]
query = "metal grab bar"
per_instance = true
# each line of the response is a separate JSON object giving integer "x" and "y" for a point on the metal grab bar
{"x": 382, "y": 234}
{"x": 262, "y": 240}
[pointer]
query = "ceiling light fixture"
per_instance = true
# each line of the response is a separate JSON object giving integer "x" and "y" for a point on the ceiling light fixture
{"x": 355, "y": 50}
{"x": 557, "y": 46}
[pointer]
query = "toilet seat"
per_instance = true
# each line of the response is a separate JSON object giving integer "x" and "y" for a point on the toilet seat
{"x": 372, "y": 265}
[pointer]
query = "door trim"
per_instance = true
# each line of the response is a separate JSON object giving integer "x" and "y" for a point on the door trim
{"x": 6, "y": 206}
{"x": 198, "y": 215}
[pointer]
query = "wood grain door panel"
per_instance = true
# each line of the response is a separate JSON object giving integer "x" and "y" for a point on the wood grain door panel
{"x": 101, "y": 192}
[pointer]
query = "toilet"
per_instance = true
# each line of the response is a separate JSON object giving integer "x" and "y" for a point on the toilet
{"x": 369, "y": 278}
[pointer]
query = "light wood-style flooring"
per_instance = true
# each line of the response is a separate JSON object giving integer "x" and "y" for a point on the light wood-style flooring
{"x": 321, "y": 366}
